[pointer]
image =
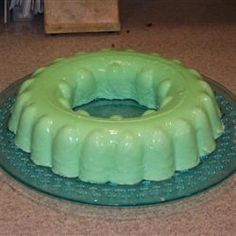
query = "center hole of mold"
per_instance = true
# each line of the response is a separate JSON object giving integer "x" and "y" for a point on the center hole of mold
{"x": 105, "y": 108}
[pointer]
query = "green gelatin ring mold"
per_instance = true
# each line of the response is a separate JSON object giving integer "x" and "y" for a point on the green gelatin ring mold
{"x": 180, "y": 125}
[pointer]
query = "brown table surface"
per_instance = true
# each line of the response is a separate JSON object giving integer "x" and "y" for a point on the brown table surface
{"x": 202, "y": 34}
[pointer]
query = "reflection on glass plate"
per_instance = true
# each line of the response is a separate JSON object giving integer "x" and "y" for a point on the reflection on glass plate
{"x": 212, "y": 169}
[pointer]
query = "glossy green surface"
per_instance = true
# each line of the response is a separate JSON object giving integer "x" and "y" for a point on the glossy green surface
{"x": 181, "y": 125}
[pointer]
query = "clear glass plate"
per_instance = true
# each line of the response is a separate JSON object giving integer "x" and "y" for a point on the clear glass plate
{"x": 213, "y": 168}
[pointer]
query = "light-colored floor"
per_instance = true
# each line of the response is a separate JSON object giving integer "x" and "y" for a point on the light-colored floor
{"x": 201, "y": 33}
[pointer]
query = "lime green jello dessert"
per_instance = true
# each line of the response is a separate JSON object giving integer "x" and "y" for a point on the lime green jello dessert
{"x": 180, "y": 125}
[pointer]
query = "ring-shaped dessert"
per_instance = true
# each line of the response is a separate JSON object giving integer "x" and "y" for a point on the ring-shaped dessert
{"x": 180, "y": 125}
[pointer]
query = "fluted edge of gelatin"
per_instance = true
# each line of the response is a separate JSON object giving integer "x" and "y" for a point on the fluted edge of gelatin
{"x": 124, "y": 158}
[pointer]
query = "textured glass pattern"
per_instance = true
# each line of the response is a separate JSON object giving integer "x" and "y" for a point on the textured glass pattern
{"x": 212, "y": 169}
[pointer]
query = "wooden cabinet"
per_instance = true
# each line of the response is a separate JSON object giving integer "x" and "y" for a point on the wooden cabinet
{"x": 66, "y": 16}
